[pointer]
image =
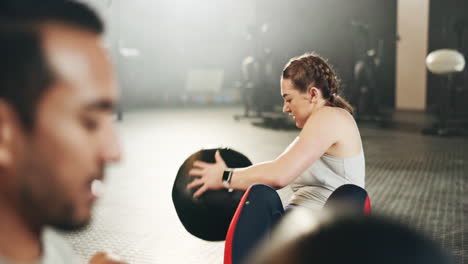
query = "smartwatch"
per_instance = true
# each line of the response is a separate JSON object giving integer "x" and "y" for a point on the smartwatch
{"x": 227, "y": 177}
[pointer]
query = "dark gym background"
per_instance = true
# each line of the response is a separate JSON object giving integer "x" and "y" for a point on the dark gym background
{"x": 448, "y": 28}
{"x": 173, "y": 38}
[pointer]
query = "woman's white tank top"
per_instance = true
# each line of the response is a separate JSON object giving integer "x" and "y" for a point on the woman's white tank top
{"x": 313, "y": 187}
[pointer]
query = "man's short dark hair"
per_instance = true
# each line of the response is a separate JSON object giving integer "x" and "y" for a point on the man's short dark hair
{"x": 24, "y": 72}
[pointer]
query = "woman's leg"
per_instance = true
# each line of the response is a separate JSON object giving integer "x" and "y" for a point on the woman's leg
{"x": 350, "y": 197}
{"x": 259, "y": 210}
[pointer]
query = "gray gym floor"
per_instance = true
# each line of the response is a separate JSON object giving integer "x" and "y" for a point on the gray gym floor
{"x": 419, "y": 180}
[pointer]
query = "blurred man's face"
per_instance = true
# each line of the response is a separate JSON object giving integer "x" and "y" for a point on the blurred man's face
{"x": 74, "y": 137}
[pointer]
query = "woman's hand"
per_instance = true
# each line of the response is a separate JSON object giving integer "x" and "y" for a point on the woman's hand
{"x": 209, "y": 175}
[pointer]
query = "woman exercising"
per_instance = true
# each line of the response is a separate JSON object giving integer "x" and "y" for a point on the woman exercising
{"x": 327, "y": 153}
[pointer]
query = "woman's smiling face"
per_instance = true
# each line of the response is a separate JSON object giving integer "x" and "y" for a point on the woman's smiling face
{"x": 297, "y": 104}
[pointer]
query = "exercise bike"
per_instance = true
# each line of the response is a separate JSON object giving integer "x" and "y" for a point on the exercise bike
{"x": 365, "y": 95}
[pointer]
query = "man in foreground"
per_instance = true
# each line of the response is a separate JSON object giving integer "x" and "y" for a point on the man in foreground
{"x": 57, "y": 93}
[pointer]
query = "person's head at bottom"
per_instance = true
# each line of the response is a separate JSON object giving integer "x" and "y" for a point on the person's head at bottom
{"x": 352, "y": 239}
{"x": 56, "y": 132}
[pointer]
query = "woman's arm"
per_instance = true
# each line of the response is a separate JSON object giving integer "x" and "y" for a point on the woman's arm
{"x": 319, "y": 133}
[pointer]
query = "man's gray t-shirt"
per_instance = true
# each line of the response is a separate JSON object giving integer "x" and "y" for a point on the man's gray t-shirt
{"x": 56, "y": 250}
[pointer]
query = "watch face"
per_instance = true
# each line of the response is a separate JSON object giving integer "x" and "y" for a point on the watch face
{"x": 225, "y": 176}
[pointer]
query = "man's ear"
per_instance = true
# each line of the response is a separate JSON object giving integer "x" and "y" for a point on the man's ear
{"x": 7, "y": 126}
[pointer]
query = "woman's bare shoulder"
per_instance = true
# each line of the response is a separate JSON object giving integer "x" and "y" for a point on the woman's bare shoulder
{"x": 333, "y": 119}
{"x": 333, "y": 113}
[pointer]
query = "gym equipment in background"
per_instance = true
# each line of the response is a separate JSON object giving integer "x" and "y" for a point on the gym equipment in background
{"x": 446, "y": 63}
{"x": 365, "y": 96}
